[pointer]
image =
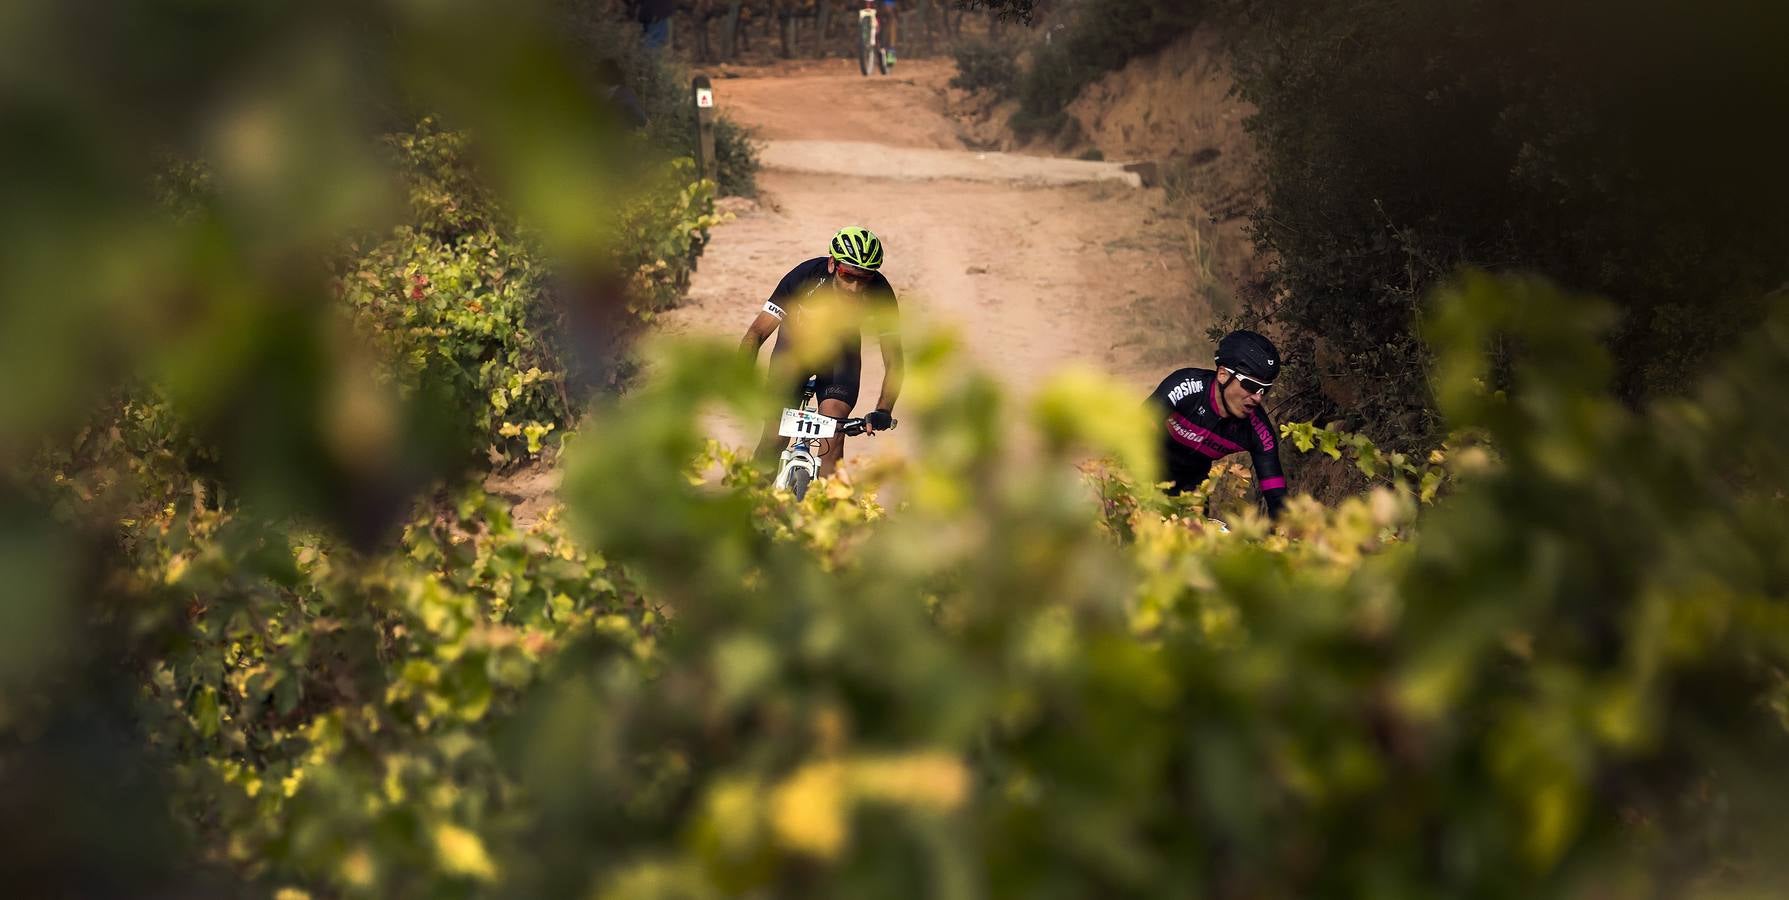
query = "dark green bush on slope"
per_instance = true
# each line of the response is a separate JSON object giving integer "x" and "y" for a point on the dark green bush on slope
{"x": 1096, "y": 37}
{"x": 1626, "y": 149}
{"x": 985, "y": 65}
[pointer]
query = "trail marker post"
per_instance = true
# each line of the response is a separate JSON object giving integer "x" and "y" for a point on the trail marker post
{"x": 704, "y": 98}
{"x": 702, "y": 91}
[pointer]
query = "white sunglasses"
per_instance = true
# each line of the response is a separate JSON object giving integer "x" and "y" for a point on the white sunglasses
{"x": 1249, "y": 384}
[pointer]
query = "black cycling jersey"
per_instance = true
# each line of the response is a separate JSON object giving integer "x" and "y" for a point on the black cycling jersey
{"x": 838, "y": 380}
{"x": 1196, "y": 433}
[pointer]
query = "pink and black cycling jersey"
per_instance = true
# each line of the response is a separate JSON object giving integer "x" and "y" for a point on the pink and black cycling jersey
{"x": 1196, "y": 433}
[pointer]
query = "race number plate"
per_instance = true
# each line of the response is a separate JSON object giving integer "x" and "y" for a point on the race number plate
{"x": 799, "y": 423}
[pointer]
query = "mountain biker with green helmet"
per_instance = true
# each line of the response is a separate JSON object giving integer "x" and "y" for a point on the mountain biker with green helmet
{"x": 820, "y": 312}
{"x": 1207, "y": 414}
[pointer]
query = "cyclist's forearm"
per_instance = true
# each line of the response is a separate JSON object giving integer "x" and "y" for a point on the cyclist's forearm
{"x": 894, "y": 367}
{"x": 891, "y": 388}
{"x": 753, "y": 340}
{"x": 758, "y": 332}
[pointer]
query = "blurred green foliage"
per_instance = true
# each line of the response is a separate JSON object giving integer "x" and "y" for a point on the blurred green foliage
{"x": 327, "y": 718}
{"x": 241, "y": 285}
{"x": 1559, "y": 681}
{"x": 1503, "y": 698}
{"x": 220, "y": 675}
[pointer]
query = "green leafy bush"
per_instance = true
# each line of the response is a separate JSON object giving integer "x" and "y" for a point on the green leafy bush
{"x": 330, "y": 716}
{"x": 453, "y": 296}
{"x": 458, "y": 296}
{"x": 736, "y": 158}
{"x": 660, "y": 232}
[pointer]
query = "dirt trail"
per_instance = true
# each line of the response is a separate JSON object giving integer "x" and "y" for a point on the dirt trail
{"x": 1037, "y": 263}
{"x": 1033, "y": 277}
{"x": 852, "y": 158}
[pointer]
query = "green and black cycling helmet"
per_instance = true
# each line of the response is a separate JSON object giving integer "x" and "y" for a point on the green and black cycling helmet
{"x": 1250, "y": 354}
{"x": 858, "y": 247}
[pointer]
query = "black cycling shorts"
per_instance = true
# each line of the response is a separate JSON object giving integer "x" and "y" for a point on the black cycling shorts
{"x": 838, "y": 381}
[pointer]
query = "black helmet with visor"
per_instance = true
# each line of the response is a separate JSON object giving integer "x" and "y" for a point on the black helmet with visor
{"x": 1250, "y": 355}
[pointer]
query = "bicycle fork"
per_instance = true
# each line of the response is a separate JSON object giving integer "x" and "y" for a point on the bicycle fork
{"x": 797, "y": 456}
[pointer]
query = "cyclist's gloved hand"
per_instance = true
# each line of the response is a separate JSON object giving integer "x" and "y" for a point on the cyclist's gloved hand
{"x": 879, "y": 420}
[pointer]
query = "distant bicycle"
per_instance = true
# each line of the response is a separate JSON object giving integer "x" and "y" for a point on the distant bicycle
{"x": 872, "y": 49}
{"x": 805, "y": 427}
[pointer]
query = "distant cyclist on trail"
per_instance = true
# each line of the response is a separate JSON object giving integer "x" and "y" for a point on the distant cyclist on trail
{"x": 1208, "y": 414}
{"x": 822, "y": 308}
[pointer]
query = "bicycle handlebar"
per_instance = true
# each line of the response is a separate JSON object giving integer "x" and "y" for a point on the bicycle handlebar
{"x": 855, "y": 427}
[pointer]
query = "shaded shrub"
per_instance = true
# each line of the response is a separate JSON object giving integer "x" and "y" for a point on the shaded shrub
{"x": 985, "y": 65}
{"x": 1098, "y": 36}
{"x": 1614, "y": 146}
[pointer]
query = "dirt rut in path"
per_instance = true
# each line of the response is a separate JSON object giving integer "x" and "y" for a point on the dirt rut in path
{"x": 1034, "y": 278}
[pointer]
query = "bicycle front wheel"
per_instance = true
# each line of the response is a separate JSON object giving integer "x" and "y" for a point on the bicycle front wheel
{"x": 798, "y": 483}
{"x": 866, "y": 47}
